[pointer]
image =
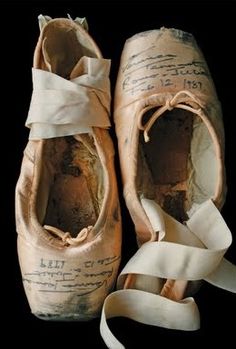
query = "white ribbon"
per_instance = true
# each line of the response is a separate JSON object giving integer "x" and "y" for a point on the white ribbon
{"x": 188, "y": 251}
{"x": 149, "y": 309}
{"x": 61, "y": 107}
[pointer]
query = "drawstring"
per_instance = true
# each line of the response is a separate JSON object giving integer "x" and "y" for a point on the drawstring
{"x": 169, "y": 105}
{"x": 66, "y": 237}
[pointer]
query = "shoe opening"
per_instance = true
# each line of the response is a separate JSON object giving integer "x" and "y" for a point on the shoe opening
{"x": 178, "y": 167}
{"x": 71, "y": 190}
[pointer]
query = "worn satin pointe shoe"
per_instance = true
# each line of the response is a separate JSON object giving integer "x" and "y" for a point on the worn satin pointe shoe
{"x": 67, "y": 209}
{"x": 171, "y": 149}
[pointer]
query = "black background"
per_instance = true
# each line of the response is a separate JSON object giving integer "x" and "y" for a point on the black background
{"x": 111, "y": 23}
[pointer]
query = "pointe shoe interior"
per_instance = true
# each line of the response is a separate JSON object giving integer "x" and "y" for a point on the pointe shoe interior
{"x": 73, "y": 174}
{"x": 178, "y": 166}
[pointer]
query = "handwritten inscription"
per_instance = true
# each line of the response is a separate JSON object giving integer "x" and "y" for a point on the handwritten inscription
{"x": 58, "y": 276}
{"x": 192, "y": 84}
{"x": 147, "y": 62}
{"x": 160, "y": 71}
{"x": 51, "y": 263}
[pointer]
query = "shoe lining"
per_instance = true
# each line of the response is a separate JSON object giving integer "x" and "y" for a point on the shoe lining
{"x": 75, "y": 194}
{"x": 178, "y": 166}
{"x": 166, "y": 158}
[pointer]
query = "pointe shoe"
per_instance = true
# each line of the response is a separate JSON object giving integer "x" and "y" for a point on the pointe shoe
{"x": 171, "y": 149}
{"x": 67, "y": 208}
